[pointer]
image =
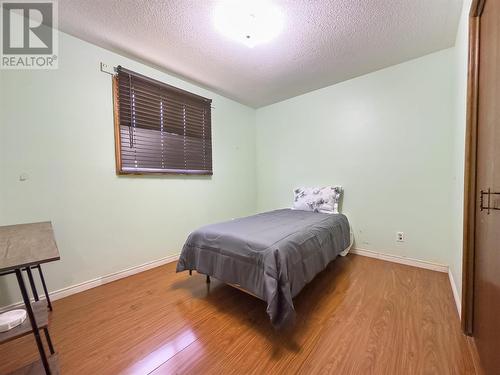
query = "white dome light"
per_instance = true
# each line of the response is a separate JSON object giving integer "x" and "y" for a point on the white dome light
{"x": 250, "y": 22}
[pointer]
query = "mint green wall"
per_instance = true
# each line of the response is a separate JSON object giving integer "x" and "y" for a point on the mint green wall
{"x": 57, "y": 126}
{"x": 393, "y": 138}
{"x": 458, "y": 155}
{"x": 387, "y": 137}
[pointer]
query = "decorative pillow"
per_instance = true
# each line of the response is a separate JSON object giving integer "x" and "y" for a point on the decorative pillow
{"x": 318, "y": 199}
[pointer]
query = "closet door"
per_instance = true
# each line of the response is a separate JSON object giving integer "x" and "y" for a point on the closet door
{"x": 486, "y": 315}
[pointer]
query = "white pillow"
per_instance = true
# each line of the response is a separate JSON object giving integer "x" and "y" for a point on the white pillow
{"x": 318, "y": 199}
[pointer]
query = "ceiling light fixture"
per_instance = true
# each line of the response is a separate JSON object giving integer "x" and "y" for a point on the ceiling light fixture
{"x": 250, "y": 22}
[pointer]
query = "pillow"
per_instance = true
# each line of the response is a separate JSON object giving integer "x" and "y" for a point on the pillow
{"x": 318, "y": 199}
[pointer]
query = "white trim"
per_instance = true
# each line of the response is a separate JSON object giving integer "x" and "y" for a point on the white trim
{"x": 456, "y": 296}
{"x": 77, "y": 288}
{"x": 400, "y": 259}
{"x": 89, "y": 284}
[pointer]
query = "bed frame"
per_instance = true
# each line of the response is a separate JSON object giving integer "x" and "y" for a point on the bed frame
{"x": 236, "y": 286}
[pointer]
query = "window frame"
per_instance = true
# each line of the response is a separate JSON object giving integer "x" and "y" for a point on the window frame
{"x": 117, "y": 134}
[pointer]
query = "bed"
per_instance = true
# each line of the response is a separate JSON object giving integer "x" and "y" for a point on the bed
{"x": 271, "y": 255}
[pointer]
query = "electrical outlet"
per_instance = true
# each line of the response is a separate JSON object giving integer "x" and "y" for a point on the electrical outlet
{"x": 400, "y": 237}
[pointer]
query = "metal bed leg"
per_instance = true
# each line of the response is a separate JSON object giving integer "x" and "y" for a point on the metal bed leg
{"x": 208, "y": 279}
{"x": 49, "y": 341}
{"x": 32, "y": 283}
{"x": 49, "y": 304}
{"x": 31, "y": 316}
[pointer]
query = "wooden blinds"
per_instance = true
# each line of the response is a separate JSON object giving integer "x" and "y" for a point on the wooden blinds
{"x": 160, "y": 128}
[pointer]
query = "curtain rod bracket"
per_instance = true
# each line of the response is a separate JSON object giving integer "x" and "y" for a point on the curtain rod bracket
{"x": 106, "y": 68}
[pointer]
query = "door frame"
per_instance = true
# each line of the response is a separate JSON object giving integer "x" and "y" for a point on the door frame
{"x": 470, "y": 191}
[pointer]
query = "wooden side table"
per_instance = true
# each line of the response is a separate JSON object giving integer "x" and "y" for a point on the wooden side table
{"x": 27, "y": 246}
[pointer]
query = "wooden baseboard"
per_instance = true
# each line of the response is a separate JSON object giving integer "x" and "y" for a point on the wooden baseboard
{"x": 89, "y": 284}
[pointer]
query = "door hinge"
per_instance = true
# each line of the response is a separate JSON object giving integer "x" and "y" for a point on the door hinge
{"x": 487, "y": 206}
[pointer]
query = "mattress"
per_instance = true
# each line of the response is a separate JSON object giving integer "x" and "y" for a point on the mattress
{"x": 272, "y": 255}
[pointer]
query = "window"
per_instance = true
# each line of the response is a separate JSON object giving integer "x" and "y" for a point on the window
{"x": 160, "y": 128}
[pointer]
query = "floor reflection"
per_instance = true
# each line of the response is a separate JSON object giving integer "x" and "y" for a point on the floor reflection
{"x": 166, "y": 351}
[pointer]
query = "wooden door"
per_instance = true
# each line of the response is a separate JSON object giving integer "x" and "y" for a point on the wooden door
{"x": 486, "y": 297}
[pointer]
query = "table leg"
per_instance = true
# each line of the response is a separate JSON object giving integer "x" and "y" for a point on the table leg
{"x": 44, "y": 287}
{"x": 32, "y": 319}
{"x": 32, "y": 283}
{"x": 49, "y": 341}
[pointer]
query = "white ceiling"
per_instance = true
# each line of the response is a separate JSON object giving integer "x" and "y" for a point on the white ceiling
{"x": 323, "y": 42}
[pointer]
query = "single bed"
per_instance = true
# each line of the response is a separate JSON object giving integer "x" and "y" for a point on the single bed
{"x": 271, "y": 255}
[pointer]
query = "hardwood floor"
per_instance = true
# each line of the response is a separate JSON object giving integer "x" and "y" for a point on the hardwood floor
{"x": 359, "y": 316}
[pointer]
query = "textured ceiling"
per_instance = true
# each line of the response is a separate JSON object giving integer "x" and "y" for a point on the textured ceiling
{"x": 323, "y": 42}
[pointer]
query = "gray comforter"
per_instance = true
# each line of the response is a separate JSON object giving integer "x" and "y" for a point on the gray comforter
{"x": 273, "y": 255}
